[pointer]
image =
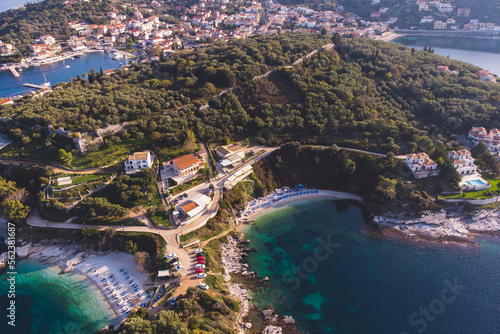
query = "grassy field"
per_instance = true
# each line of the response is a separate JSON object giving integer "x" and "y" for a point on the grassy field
{"x": 160, "y": 218}
{"x": 88, "y": 177}
{"x": 32, "y": 151}
{"x": 114, "y": 153}
{"x": 108, "y": 221}
{"x": 185, "y": 186}
{"x": 480, "y": 194}
{"x": 168, "y": 153}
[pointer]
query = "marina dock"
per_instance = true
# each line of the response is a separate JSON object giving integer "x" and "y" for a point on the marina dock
{"x": 14, "y": 72}
{"x": 34, "y": 86}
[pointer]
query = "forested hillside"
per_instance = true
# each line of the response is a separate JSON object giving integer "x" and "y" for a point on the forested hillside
{"x": 363, "y": 94}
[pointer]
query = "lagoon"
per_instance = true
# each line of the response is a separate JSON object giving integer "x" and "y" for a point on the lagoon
{"x": 368, "y": 282}
{"x": 482, "y": 52}
{"x": 55, "y": 72}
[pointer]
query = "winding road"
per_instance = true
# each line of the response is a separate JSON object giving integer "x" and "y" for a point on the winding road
{"x": 171, "y": 236}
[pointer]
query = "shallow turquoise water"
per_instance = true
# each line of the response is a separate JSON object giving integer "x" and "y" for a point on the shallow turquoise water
{"x": 45, "y": 305}
{"x": 371, "y": 283}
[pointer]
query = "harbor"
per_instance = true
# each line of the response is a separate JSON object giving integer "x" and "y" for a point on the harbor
{"x": 31, "y": 78}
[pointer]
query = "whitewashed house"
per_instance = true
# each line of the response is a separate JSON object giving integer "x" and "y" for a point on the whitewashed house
{"x": 463, "y": 162}
{"x": 490, "y": 139}
{"x": 421, "y": 165}
{"x": 138, "y": 161}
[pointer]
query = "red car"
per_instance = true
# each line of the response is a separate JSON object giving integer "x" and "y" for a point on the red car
{"x": 201, "y": 261}
{"x": 201, "y": 258}
{"x": 199, "y": 270}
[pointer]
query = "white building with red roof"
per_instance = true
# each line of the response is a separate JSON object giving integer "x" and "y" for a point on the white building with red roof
{"x": 186, "y": 165}
{"x": 490, "y": 139}
{"x": 463, "y": 162}
{"x": 421, "y": 165}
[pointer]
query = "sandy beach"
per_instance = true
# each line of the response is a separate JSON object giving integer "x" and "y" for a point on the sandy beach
{"x": 391, "y": 36}
{"x": 116, "y": 277}
{"x": 97, "y": 267}
{"x": 279, "y": 198}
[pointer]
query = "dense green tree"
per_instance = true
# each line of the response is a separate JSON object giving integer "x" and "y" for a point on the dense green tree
{"x": 14, "y": 210}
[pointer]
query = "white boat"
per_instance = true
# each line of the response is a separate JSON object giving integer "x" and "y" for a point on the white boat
{"x": 67, "y": 66}
{"x": 46, "y": 84}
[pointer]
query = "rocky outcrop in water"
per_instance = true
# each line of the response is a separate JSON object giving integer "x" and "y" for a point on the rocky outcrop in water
{"x": 443, "y": 226}
{"x": 272, "y": 330}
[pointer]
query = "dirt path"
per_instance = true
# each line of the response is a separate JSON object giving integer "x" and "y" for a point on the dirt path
{"x": 60, "y": 169}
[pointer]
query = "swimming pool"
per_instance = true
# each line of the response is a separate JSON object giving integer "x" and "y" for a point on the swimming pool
{"x": 476, "y": 182}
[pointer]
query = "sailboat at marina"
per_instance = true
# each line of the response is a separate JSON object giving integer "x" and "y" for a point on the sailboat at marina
{"x": 46, "y": 84}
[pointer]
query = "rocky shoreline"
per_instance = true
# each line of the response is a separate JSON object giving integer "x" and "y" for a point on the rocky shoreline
{"x": 232, "y": 255}
{"x": 67, "y": 255}
{"x": 443, "y": 226}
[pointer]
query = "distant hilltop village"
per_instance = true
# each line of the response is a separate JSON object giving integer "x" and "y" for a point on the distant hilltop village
{"x": 435, "y": 15}
{"x": 208, "y": 20}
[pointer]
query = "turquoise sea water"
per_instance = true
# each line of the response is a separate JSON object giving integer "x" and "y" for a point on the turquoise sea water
{"x": 45, "y": 305}
{"x": 55, "y": 72}
{"x": 364, "y": 282}
{"x": 482, "y": 52}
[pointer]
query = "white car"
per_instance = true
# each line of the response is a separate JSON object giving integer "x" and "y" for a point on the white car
{"x": 198, "y": 250}
{"x": 202, "y": 266}
{"x": 176, "y": 264}
{"x": 201, "y": 275}
{"x": 179, "y": 268}
{"x": 203, "y": 286}
{"x": 170, "y": 256}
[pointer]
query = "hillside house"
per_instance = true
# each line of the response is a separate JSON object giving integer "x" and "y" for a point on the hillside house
{"x": 421, "y": 165}
{"x": 490, "y": 139}
{"x": 485, "y": 75}
{"x": 47, "y": 40}
{"x": 138, "y": 161}
{"x": 463, "y": 162}
{"x": 463, "y": 12}
{"x": 231, "y": 155}
{"x": 186, "y": 165}
{"x": 195, "y": 207}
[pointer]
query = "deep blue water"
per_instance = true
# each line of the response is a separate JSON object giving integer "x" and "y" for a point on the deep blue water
{"x": 55, "y": 72}
{"x": 370, "y": 283}
{"x": 482, "y": 52}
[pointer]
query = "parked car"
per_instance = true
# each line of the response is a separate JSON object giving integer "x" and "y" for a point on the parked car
{"x": 201, "y": 261}
{"x": 200, "y": 266}
{"x": 179, "y": 268}
{"x": 198, "y": 250}
{"x": 176, "y": 264}
{"x": 185, "y": 195}
{"x": 172, "y": 303}
{"x": 200, "y": 257}
{"x": 170, "y": 256}
{"x": 200, "y": 254}
{"x": 201, "y": 275}
{"x": 203, "y": 286}
{"x": 199, "y": 270}
{"x": 173, "y": 260}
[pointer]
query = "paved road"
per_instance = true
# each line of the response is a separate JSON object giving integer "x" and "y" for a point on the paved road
{"x": 171, "y": 236}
